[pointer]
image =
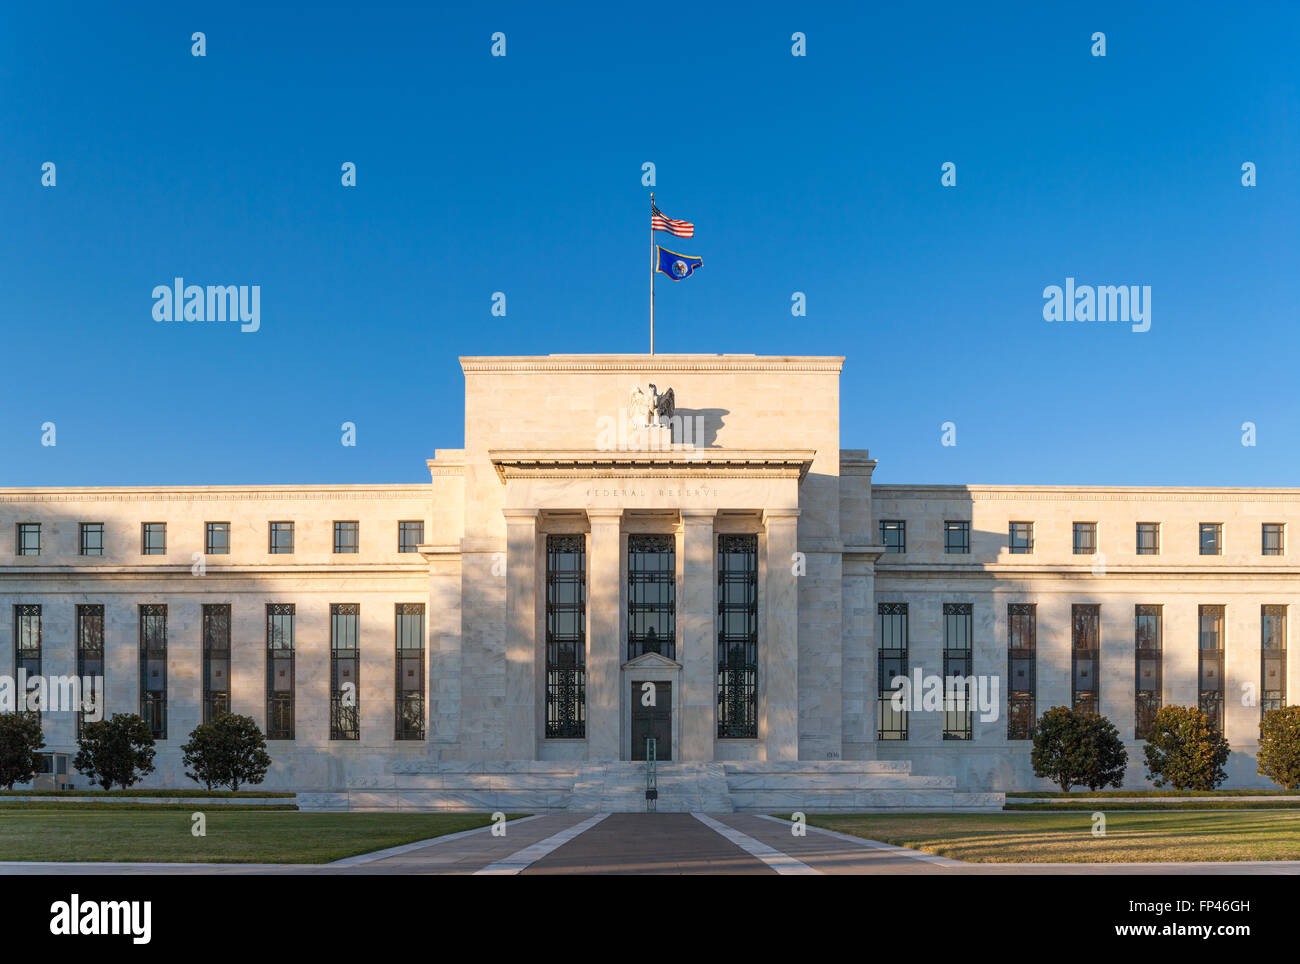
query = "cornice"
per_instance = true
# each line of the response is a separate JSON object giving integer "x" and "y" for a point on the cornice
{"x": 524, "y": 364}
{"x": 224, "y": 493}
{"x": 1091, "y": 493}
{"x": 696, "y": 463}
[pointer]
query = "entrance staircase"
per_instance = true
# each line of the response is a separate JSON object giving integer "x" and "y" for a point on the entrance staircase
{"x": 533, "y": 786}
{"x": 618, "y": 786}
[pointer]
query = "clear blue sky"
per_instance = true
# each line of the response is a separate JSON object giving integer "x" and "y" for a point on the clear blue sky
{"x": 522, "y": 174}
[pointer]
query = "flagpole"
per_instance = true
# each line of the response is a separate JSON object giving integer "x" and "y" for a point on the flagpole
{"x": 653, "y": 268}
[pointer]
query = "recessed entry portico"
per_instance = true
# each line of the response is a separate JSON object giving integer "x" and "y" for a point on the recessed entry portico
{"x": 690, "y": 588}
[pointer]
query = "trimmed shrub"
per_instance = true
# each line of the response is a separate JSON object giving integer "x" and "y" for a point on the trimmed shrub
{"x": 1185, "y": 750}
{"x": 1072, "y": 747}
{"x": 226, "y": 752}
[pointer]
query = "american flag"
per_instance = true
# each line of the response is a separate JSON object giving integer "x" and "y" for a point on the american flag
{"x": 661, "y": 222}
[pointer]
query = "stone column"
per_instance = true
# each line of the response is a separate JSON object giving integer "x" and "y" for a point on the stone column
{"x": 604, "y": 649}
{"x": 521, "y": 634}
{"x": 698, "y": 636}
{"x": 780, "y": 663}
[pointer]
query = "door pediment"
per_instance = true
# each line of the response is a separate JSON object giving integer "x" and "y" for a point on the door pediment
{"x": 652, "y": 661}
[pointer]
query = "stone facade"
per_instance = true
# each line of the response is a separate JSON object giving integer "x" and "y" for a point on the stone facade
{"x": 753, "y": 450}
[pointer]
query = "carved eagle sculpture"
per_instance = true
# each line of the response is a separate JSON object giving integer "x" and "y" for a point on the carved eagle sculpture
{"x": 661, "y": 406}
{"x": 646, "y": 409}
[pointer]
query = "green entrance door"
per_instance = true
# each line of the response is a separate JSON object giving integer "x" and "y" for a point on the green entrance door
{"x": 653, "y": 721}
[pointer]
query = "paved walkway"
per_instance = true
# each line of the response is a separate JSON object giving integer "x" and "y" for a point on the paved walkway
{"x": 651, "y": 843}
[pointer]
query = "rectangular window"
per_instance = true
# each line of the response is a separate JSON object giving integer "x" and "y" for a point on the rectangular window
{"x": 737, "y": 637}
{"x": 153, "y": 539}
{"x": 1085, "y": 538}
{"x": 27, "y": 649}
{"x": 956, "y": 538}
{"x": 281, "y": 538}
{"x": 92, "y": 539}
{"x": 891, "y": 650}
{"x": 1022, "y": 645}
{"x": 1020, "y": 537}
{"x": 566, "y": 636}
{"x": 1211, "y": 538}
{"x": 90, "y": 659}
{"x": 153, "y": 669}
{"x": 216, "y": 541}
{"x": 958, "y": 674}
{"x": 1085, "y": 668}
{"x": 29, "y": 539}
{"x": 1274, "y": 537}
{"x": 1272, "y": 671}
{"x": 893, "y": 536}
{"x": 216, "y": 660}
{"x": 279, "y": 671}
{"x": 410, "y": 536}
{"x": 410, "y": 671}
{"x": 651, "y": 596}
{"x": 1149, "y": 669}
{"x": 345, "y": 671}
{"x": 1210, "y": 671}
{"x": 347, "y": 536}
{"x": 1148, "y": 538}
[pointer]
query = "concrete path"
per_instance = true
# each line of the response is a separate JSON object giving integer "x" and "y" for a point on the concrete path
{"x": 650, "y": 843}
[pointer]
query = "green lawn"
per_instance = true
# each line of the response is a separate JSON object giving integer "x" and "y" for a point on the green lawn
{"x": 1166, "y": 792}
{"x": 163, "y": 834}
{"x": 1048, "y": 837}
{"x": 97, "y": 792}
{"x": 1090, "y": 806}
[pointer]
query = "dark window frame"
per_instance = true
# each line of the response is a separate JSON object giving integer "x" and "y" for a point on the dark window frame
{"x": 1020, "y": 547}
{"x": 1022, "y": 646}
{"x": 409, "y": 705}
{"x": 345, "y": 668}
{"x": 211, "y": 546}
{"x": 281, "y": 647}
{"x": 956, "y": 546}
{"x": 1085, "y": 657}
{"x": 651, "y": 595}
{"x": 406, "y": 526}
{"x": 1148, "y": 654}
{"x": 215, "y": 628}
{"x": 90, "y": 657}
{"x": 958, "y": 662}
{"x": 1088, "y": 546}
{"x": 84, "y": 548}
{"x": 27, "y": 657}
{"x": 566, "y": 636}
{"x": 1272, "y": 650}
{"x": 1211, "y": 659}
{"x": 737, "y": 646}
{"x": 891, "y": 663}
{"x": 153, "y": 657}
{"x": 344, "y": 529}
{"x": 1279, "y": 530}
{"x": 280, "y": 547}
{"x": 1216, "y": 530}
{"x": 149, "y": 546}
{"x": 23, "y": 546}
{"x": 1154, "y": 532}
{"x": 893, "y": 535}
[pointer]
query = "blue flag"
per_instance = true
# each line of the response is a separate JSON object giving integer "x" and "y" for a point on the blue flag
{"x": 676, "y": 266}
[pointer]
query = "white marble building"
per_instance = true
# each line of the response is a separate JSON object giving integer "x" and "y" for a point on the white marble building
{"x": 492, "y": 632}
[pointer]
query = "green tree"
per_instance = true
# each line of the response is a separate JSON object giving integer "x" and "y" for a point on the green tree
{"x": 1185, "y": 750}
{"x": 226, "y": 752}
{"x": 1279, "y": 746}
{"x": 20, "y": 739}
{"x": 1073, "y": 747}
{"x": 118, "y": 750}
